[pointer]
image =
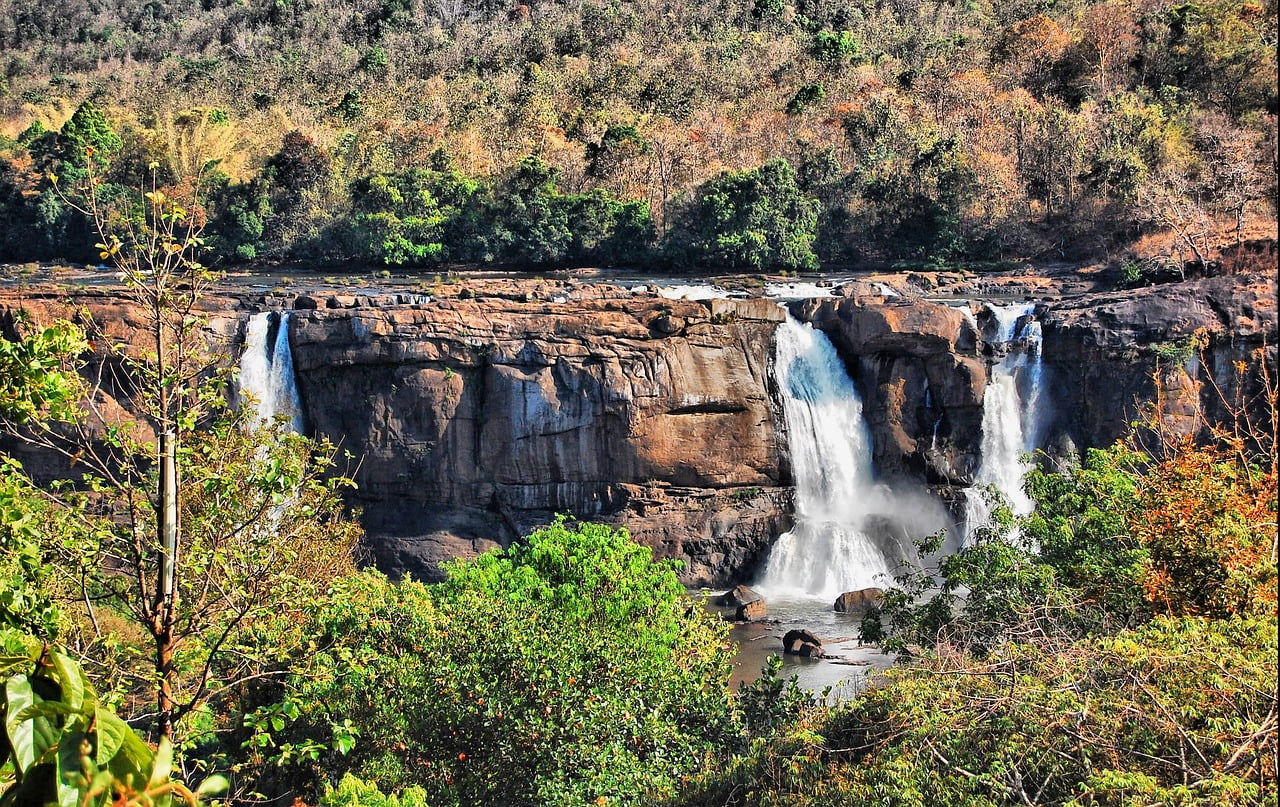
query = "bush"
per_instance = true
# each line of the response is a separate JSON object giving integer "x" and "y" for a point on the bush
{"x": 565, "y": 669}
{"x": 752, "y": 220}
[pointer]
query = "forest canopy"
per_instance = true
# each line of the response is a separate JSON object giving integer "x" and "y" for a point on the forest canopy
{"x": 418, "y": 133}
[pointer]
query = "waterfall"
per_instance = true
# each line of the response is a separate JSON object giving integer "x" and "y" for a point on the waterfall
{"x": 830, "y": 550}
{"x": 266, "y": 370}
{"x": 1012, "y": 413}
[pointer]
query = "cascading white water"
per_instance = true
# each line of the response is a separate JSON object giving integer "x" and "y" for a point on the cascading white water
{"x": 829, "y": 551}
{"x": 266, "y": 371}
{"x": 1011, "y": 414}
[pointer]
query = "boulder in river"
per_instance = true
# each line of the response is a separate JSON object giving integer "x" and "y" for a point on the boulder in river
{"x": 750, "y": 611}
{"x": 858, "y": 601}
{"x": 802, "y": 643}
{"x": 738, "y": 596}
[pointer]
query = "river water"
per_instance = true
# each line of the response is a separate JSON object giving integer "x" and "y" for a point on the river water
{"x": 844, "y": 674}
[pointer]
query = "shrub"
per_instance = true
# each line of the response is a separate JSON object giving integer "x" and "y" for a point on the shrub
{"x": 753, "y": 220}
{"x": 562, "y": 670}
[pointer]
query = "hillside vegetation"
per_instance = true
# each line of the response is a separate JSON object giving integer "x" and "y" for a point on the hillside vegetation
{"x": 746, "y": 134}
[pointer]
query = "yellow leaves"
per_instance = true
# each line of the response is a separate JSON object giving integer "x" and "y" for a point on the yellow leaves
{"x": 156, "y": 198}
{"x": 106, "y": 251}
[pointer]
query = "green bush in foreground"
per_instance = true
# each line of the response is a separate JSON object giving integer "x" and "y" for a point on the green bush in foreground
{"x": 60, "y": 746}
{"x": 1178, "y": 712}
{"x": 562, "y": 670}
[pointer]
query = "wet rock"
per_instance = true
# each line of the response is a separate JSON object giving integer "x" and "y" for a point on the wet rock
{"x": 738, "y": 596}
{"x": 859, "y": 601}
{"x": 805, "y": 643}
{"x": 750, "y": 611}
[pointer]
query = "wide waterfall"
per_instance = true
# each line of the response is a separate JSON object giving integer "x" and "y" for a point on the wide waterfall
{"x": 849, "y": 531}
{"x": 1012, "y": 412}
{"x": 266, "y": 370}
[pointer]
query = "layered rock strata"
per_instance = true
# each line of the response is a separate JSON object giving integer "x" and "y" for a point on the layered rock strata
{"x": 477, "y": 416}
{"x": 478, "y": 419}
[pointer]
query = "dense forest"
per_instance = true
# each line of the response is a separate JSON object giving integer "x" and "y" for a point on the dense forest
{"x": 739, "y": 135}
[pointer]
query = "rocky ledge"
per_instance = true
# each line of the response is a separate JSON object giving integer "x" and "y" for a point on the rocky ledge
{"x": 480, "y": 411}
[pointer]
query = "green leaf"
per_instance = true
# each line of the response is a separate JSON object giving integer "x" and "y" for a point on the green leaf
{"x": 21, "y": 733}
{"x": 71, "y": 678}
{"x": 44, "y": 709}
{"x": 70, "y": 775}
{"x": 163, "y": 764}
{"x": 212, "y": 786}
{"x": 111, "y": 732}
{"x": 128, "y": 753}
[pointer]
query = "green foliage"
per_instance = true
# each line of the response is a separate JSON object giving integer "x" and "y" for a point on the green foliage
{"x": 836, "y": 48}
{"x": 973, "y": 598}
{"x": 63, "y": 747}
{"x": 565, "y": 669}
{"x": 298, "y": 167}
{"x": 375, "y": 61}
{"x": 88, "y": 135}
{"x": 352, "y": 792}
{"x": 806, "y": 97}
{"x": 425, "y": 217}
{"x": 618, "y": 145}
{"x": 1081, "y": 526}
{"x": 37, "y": 374}
{"x": 753, "y": 220}
{"x": 1167, "y": 714}
{"x": 26, "y": 595}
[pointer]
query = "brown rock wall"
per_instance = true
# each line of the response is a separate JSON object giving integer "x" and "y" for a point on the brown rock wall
{"x": 478, "y": 419}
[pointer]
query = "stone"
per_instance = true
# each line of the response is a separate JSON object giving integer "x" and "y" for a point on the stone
{"x": 859, "y": 601}
{"x": 668, "y": 325}
{"x": 722, "y": 308}
{"x": 737, "y": 596}
{"x": 922, "y": 281}
{"x": 799, "y": 642}
{"x": 750, "y": 611}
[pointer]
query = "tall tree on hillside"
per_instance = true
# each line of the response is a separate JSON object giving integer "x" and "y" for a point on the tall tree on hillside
{"x": 188, "y": 522}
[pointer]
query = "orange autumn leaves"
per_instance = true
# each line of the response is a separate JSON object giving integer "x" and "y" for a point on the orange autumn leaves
{"x": 1208, "y": 521}
{"x": 1207, "y": 513}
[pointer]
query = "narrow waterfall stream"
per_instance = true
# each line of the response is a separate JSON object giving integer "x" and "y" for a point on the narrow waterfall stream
{"x": 1011, "y": 414}
{"x": 266, "y": 370}
{"x": 831, "y": 549}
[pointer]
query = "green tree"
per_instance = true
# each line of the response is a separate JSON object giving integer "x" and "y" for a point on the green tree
{"x": 752, "y": 220}
{"x": 189, "y": 524}
{"x": 566, "y": 669}
{"x": 533, "y": 215}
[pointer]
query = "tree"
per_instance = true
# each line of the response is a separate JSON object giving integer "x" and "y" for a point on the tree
{"x": 569, "y": 669}
{"x": 753, "y": 220}
{"x": 189, "y": 524}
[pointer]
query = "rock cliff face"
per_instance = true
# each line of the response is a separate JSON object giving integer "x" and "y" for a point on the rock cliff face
{"x": 1103, "y": 351}
{"x": 922, "y": 367}
{"x": 477, "y": 418}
